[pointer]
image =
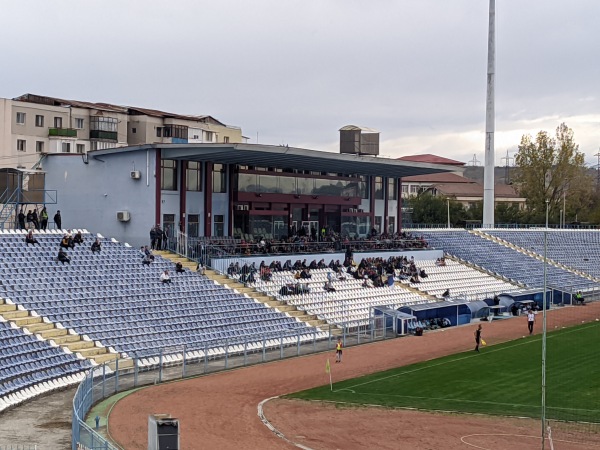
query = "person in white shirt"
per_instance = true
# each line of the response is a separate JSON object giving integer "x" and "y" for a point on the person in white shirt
{"x": 530, "y": 320}
{"x": 164, "y": 277}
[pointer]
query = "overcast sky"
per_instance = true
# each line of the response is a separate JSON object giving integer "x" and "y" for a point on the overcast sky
{"x": 295, "y": 71}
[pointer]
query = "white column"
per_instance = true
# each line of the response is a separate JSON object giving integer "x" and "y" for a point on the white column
{"x": 488, "y": 177}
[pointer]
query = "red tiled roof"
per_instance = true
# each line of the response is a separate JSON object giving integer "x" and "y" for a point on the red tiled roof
{"x": 433, "y": 159}
{"x": 444, "y": 177}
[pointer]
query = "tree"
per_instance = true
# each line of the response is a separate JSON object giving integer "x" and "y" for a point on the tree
{"x": 430, "y": 209}
{"x": 549, "y": 168}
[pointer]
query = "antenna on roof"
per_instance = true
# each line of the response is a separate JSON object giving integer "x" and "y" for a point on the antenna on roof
{"x": 474, "y": 162}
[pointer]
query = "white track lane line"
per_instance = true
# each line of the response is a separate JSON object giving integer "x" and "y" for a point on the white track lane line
{"x": 269, "y": 425}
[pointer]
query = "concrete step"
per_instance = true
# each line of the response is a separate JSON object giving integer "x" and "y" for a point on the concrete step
{"x": 105, "y": 357}
{"x": 123, "y": 363}
{"x": 40, "y": 327}
{"x": 92, "y": 352}
{"x": 78, "y": 346}
{"x": 24, "y": 321}
{"x": 315, "y": 323}
{"x": 52, "y": 333}
{"x": 9, "y": 315}
{"x": 4, "y": 307}
{"x": 66, "y": 339}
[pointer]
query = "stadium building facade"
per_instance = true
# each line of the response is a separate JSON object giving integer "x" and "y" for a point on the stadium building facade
{"x": 240, "y": 190}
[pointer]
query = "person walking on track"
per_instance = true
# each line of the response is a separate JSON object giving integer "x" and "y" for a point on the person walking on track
{"x": 477, "y": 337}
{"x": 338, "y": 351}
{"x": 530, "y": 320}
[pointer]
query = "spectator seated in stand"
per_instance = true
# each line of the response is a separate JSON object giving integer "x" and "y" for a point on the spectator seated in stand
{"x": 446, "y": 293}
{"x": 305, "y": 274}
{"x": 147, "y": 260}
{"x": 201, "y": 269}
{"x": 329, "y": 287}
{"x": 164, "y": 277}
{"x": 148, "y": 253}
{"x": 422, "y": 273}
{"x": 63, "y": 257}
{"x": 29, "y": 239}
{"x": 67, "y": 241}
{"x": 179, "y": 268}
{"x": 368, "y": 283}
{"x": 78, "y": 239}
{"x": 96, "y": 247}
{"x": 415, "y": 279}
{"x": 440, "y": 261}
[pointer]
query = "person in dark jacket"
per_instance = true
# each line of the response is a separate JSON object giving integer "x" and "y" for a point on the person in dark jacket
{"x": 35, "y": 220}
{"x": 21, "y": 219}
{"x": 29, "y": 219}
{"x": 153, "y": 238}
{"x": 63, "y": 257}
{"x": 58, "y": 220}
{"x": 29, "y": 239}
{"x": 78, "y": 239}
{"x": 96, "y": 247}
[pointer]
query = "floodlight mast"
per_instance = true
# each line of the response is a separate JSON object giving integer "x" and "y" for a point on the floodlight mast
{"x": 488, "y": 174}
{"x": 544, "y": 329}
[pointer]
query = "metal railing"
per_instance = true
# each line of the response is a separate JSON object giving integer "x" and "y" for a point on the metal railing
{"x": 204, "y": 249}
{"x": 178, "y": 362}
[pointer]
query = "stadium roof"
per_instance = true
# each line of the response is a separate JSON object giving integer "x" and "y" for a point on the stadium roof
{"x": 286, "y": 158}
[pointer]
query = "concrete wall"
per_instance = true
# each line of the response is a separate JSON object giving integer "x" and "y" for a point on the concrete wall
{"x": 89, "y": 195}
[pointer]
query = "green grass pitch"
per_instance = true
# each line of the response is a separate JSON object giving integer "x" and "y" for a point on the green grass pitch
{"x": 503, "y": 379}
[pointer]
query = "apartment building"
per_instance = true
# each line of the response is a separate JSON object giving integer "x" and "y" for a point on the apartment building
{"x": 34, "y": 125}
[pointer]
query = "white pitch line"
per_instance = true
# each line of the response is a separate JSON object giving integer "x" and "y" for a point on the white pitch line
{"x": 270, "y": 426}
{"x": 462, "y": 439}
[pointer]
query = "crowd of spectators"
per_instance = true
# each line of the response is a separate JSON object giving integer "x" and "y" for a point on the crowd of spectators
{"x": 374, "y": 272}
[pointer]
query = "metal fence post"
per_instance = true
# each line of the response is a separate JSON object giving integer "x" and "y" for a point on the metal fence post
{"x": 298, "y": 344}
{"x": 264, "y": 349}
{"x": 280, "y": 347}
{"x": 183, "y": 368}
{"x": 160, "y": 365}
{"x": 135, "y": 371}
{"x": 245, "y": 351}
{"x": 314, "y": 339}
{"x": 117, "y": 375}
{"x": 103, "y": 380}
{"x": 344, "y": 334}
{"x": 226, "y": 353}
{"x": 358, "y": 332}
{"x": 205, "y": 358}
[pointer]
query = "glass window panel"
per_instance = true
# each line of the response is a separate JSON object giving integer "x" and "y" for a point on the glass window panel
{"x": 287, "y": 185}
{"x": 268, "y": 183}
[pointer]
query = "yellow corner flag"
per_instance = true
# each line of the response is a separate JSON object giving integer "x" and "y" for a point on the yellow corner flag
{"x": 327, "y": 367}
{"x": 483, "y": 343}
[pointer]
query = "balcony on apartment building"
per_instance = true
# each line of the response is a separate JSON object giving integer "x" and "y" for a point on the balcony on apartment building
{"x": 175, "y": 134}
{"x": 104, "y": 128}
{"x": 62, "y": 132}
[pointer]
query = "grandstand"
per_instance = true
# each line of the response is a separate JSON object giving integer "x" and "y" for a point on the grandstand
{"x": 506, "y": 260}
{"x": 351, "y": 302}
{"x": 113, "y": 305}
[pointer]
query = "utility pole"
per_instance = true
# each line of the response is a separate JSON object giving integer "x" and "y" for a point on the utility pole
{"x": 508, "y": 159}
{"x": 474, "y": 162}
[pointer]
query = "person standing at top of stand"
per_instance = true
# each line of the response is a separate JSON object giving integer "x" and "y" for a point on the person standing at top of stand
{"x": 58, "y": 220}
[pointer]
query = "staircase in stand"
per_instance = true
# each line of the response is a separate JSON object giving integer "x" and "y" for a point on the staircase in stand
{"x": 49, "y": 331}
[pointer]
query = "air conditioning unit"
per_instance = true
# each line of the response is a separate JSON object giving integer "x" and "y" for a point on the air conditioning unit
{"x": 123, "y": 216}
{"x": 135, "y": 174}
